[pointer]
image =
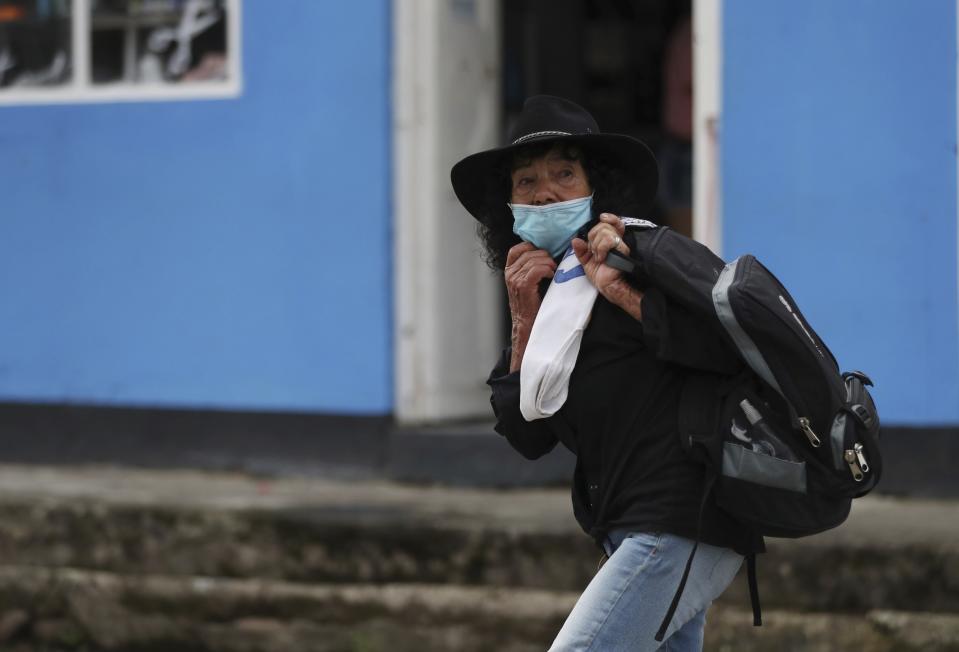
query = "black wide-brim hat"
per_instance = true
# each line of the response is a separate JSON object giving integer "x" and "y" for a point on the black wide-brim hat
{"x": 477, "y": 178}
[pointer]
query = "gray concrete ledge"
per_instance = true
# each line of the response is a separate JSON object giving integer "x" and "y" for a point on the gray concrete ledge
{"x": 76, "y": 609}
{"x": 891, "y": 554}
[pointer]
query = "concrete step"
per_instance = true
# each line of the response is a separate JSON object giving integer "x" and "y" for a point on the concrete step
{"x": 69, "y": 609}
{"x": 891, "y": 554}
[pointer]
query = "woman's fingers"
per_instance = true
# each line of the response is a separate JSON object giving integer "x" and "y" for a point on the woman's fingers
{"x": 516, "y": 251}
{"x": 531, "y": 271}
{"x": 607, "y": 235}
{"x": 581, "y": 249}
{"x": 529, "y": 268}
{"x": 522, "y": 284}
{"x": 614, "y": 221}
{"x": 520, "y": 254}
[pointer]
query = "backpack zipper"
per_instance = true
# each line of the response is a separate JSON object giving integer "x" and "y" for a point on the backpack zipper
{"x": 852, "y": 459}
{"x": 808, "y": 431}
{"x": 860, "y": 457}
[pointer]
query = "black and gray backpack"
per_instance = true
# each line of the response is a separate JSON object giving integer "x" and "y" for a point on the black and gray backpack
{"x": 790, "y": 441}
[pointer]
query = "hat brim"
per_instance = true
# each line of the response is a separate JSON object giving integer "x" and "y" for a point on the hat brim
{"x": 476, "y": 179}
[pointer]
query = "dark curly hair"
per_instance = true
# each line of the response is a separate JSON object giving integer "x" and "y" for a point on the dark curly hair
{"x": 613, "y": 192}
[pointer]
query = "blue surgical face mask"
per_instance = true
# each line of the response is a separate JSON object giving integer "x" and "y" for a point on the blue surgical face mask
{"x": 551, "y": 226}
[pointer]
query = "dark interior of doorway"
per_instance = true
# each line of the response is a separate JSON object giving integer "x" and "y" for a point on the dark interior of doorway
{"x": 621, "y": 59}
{"x": 629, "y": 62}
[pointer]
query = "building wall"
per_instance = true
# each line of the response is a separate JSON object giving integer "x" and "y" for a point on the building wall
{"x": 839, "y": 171}
{"x": 228, "y": 254}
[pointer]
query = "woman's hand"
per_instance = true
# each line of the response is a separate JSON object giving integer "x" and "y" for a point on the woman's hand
{"x": 602, "y": 238}
{"x": 526, "y": 266}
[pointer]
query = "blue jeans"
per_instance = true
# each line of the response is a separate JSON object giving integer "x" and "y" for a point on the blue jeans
{"x": 624, "y": 605}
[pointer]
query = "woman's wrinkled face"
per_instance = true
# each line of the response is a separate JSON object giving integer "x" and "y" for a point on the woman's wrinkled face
{"x": 549, "y": 178}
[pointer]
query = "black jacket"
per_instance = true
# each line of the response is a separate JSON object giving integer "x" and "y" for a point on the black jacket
{"x": 620, "y": 420}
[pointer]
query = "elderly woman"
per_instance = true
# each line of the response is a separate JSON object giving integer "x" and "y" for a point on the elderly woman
{"x": 634, "y": 489}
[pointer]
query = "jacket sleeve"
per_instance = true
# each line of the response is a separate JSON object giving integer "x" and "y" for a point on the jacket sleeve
{"x": 675, "y": 334}
{"x": 532, "y": 439}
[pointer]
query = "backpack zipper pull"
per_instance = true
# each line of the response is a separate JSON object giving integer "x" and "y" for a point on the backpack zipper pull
{"x": 852, "y": 459}
{"x": 810, "y": 435}
{"x": 863, "y": 464}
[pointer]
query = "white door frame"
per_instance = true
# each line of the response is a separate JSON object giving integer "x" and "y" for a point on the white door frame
{"x": 707, "y": 122}
{"x": 446, "y": 104}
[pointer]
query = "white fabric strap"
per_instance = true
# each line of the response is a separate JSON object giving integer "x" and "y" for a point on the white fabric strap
{"x": 554, "y": 340}
{"x": 638, "y": 223}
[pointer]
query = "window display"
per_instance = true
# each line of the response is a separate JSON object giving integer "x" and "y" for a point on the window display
{"x": 65, "y": 50}
{"x": 158, "y": 41}
{"x": 35, "y": 47}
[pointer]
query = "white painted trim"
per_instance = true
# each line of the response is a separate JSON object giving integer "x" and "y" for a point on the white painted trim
{"x": 445, "y": 86}
{"x": 124, "y": 93}
{"x": 80, "y": 51}
{"x": 414, "y": 87}
{"x": 80, "y": 90}
{"x": 234, "y": 44}
{"x": 956, "y": 60}
{"x": 404, "y": 116}
{"x": 707, "y": 122}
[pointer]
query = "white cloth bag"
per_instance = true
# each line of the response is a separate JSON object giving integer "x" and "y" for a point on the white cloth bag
{"x": 554, "y": 340}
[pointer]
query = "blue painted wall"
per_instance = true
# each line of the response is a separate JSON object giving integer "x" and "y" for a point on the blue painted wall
{"x": 839, "y": 171}
{"x": 230, "y": 253}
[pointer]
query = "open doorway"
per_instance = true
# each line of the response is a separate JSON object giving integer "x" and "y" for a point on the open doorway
{"x": 462, "y": 70}
{"x": 629, "y": 62}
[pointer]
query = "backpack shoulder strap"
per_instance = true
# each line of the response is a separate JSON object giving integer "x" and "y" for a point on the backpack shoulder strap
{"x": 754, "y": 589}
{"x": 710, "y": 480}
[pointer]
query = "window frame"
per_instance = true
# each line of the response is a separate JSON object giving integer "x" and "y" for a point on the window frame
{"x": 81, "y": 89}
